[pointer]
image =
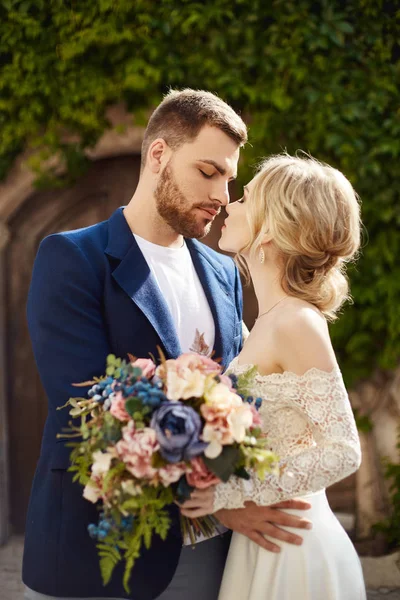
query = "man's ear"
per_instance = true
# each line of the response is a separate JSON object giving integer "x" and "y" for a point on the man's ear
{"x": 158, "y": 155}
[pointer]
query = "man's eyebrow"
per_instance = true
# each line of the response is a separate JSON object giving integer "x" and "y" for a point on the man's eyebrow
{"x": 219, "y": 168}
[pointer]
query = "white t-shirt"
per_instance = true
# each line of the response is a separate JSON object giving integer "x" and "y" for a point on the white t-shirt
{"x": 180, "y": 286}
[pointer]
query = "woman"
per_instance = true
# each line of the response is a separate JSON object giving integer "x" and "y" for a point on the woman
{"x": 296, "y": 227}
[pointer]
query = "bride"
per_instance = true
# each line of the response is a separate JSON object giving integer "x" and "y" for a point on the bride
{"x": 296, "y": 227}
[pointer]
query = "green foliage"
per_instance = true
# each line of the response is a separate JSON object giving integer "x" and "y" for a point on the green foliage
{"x": 391, "y": 526}
{"x": 363, "y": 422}
{"x": 113, "y": 368}
{"x": 245, "y": 382}
{"x": 153, "y": 519}
{"x": 224, "y": 465}
{"x": 320, "y": 76}
{"x": 109, "y": 557}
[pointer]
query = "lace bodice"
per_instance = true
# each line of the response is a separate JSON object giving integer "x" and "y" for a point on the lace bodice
{"x": 309, "y": 423}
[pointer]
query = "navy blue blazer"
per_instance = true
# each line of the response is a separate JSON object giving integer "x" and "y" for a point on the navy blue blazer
{"x": 92, "y": 294}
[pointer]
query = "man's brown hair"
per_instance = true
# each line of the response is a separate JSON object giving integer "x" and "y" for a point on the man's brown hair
{"x": 181, "y": 115}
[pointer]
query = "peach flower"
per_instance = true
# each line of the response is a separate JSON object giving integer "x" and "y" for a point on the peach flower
{"x": 118, "y": 407}
{"x": 136, "y": 450}
{"x": 146, "y": 365}
{"x": 200, "y": 477}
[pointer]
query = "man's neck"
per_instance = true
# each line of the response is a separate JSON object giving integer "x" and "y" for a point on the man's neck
{"x": 144, "y": 221}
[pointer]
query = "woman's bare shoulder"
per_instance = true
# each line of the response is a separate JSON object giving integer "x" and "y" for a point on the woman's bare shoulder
{"x": 301, "y": 336}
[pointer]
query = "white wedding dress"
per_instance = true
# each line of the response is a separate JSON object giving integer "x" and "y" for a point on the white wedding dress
{"x": 309, "y": 423}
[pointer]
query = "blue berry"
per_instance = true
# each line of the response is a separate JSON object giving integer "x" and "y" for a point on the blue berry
{"x": 92, "y": 529}
{"x": 102, "y": 534}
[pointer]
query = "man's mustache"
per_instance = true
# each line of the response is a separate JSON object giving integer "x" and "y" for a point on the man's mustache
{"x": 212, "y": 207}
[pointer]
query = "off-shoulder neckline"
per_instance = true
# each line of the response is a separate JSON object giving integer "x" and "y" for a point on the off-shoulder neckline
{"x": 313, "y": 370}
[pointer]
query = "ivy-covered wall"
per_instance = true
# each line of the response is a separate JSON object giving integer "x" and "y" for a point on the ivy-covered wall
{"x": 322, "y": 76}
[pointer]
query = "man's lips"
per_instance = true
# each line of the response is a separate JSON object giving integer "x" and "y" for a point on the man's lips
{"x": 211, "y": 211}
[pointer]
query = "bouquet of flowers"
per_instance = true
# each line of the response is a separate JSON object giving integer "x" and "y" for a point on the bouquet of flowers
{"x": 151, "y": 434}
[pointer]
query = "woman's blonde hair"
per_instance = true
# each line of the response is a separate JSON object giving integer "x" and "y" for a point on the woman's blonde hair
{"x": 311, "y": 214}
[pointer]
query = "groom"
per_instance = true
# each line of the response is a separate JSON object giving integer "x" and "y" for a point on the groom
{"x": 132, "y": 283}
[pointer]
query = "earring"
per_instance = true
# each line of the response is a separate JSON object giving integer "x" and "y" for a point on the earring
{"x": 261, "y": 255}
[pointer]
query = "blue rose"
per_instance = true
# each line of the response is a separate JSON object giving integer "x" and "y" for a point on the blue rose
{"x": 177, "y": 428}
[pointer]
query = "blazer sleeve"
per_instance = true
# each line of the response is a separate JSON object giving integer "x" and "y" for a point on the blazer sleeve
{"x": 66, "y": 325}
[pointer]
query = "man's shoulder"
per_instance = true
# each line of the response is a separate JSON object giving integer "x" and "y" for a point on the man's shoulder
{"x": 87, "y": 239}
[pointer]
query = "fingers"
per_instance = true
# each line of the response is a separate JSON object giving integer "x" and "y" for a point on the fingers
{"x": 193, "y": 503}
{"x": 279, "y": 517}
{"x": 281, "y": 534}
{"x": 261, "y": 541}
{"x": 195, "y": 513}
{"x": 200, "y": 503}
{"x": 293, "y": 503}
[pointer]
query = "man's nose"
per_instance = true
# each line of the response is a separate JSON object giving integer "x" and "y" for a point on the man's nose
{"x": 221, "y": 194}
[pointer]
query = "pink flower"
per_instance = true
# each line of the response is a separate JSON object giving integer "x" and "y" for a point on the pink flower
{"x": 257, "y": 421}
{"x": 196, "y": 362}
{"x": 201, "y": 477}
{"x": 147, "y": 366}
{"x": 136, "y": 450}
{"x": 171, "y": 473}
{"x": 217, "y": 420}
{"x": 118, "y": 407}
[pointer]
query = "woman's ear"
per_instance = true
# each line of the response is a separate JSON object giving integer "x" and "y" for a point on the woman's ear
{"x": 266, "y": 239}
{"x": 158, "y": 154}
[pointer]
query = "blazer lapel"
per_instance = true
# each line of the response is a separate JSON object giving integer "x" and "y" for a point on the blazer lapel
{"x": 219, "y": 296}
{"x": 134, "y": 277}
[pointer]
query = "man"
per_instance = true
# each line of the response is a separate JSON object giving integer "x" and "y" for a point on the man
{"x": 130, "y": 284}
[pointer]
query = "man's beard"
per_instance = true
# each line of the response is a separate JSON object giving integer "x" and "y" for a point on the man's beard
{"x": 172, "y": 206}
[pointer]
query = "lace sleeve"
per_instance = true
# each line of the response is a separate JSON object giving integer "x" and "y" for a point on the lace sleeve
{"x": 334, "y": 453}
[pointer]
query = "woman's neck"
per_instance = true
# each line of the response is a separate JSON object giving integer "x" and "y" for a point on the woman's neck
{"x": 266, "y": 279}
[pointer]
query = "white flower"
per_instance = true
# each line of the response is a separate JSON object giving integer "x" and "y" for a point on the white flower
{"x": 186, "y": 384}
{"x": 90, "y": 492}
{"x": 101, "y": 462}
{"x": 239, "y": 420}
{"x": 214, "y": 437}
{"x": 220, "y": 395}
